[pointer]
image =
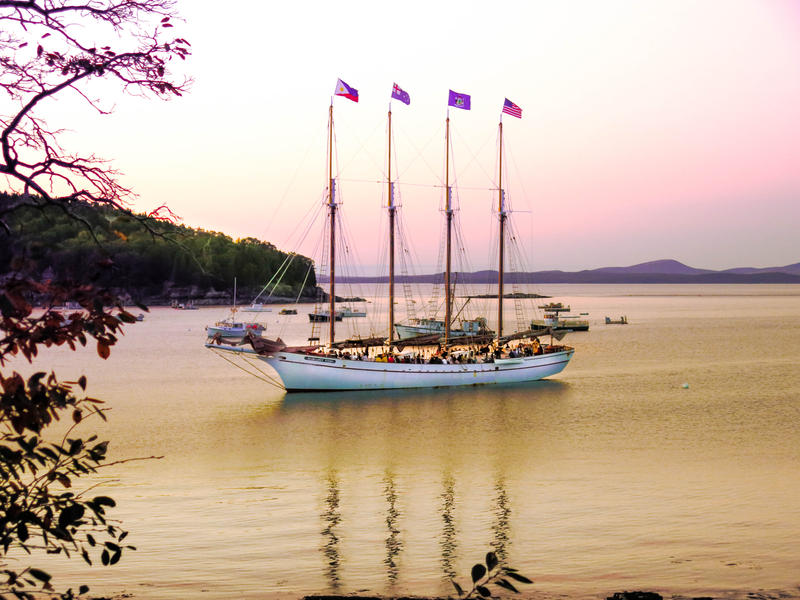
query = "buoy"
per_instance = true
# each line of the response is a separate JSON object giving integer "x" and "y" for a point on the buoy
{"x": 685, "y": 386}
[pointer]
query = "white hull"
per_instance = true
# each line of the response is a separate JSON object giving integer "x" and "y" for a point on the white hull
{"x": 303, "y": 372}
{"x": 256, "y": 308}
{"x": 405, "y": 332}
{"x": 234, "y": 331}
{"x": 562, "y": 324}
{"x": 69, "y": 306}
{"x": 225, "y": 332}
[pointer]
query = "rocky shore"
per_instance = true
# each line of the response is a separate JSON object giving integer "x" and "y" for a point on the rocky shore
{"x": 198, "y": 296}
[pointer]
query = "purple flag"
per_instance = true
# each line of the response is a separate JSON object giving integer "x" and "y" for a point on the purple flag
{"x": 400, "y": 94}
{"x": 458, "y": 100}
{"x": 342, "y": 89}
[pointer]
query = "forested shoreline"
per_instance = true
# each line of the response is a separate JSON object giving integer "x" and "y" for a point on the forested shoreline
{"x": 153, "y": 261}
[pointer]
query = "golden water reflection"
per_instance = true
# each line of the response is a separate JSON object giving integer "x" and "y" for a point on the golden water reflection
{"x": 449, "y": 539}
{"x": 331, "y": 518}
{"x": 501, "y": 526}
{"x": 394, "y": 544}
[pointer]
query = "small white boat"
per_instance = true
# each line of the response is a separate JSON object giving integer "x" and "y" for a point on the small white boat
{"x": 183, "y": 306}
{"x": 623, "y": 320}
{"x": 69, "y": 306}
{"x": 230, "y": 329}
{"x": 324, "y": 316}
{"x": 555, "y": 307}
{"x": 256, "y": 307}
{"x": 469, "y": 327}
{"x": 561, "y": 323}
{"x": 346, "y": 311}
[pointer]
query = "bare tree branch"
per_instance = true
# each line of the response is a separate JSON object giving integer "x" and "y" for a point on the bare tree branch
{"x": 46, "y": 51}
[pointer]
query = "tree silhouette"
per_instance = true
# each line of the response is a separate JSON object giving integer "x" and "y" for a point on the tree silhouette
{"x": 50, "y": 49}
{"x": 53, "y": 48}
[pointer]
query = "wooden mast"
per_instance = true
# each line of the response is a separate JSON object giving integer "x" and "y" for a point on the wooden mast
{"x": 449, "y": 214}
{"x": 502, "y": 213}
{"x": 391, "y": 233}
{"x": 332, "y": 210}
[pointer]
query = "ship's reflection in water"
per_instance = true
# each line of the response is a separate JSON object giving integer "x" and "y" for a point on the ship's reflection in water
{"x": 448, "y": 542}
{"x": 501, "y": 527}
{"x": 394, "y": 544}
{"x": 418, "y": 484}
{"x": 331, "y": 518}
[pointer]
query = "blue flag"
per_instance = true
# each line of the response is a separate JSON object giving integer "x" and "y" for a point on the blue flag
{"x": 400, "y": 94}
{"x": 458, "y": 100}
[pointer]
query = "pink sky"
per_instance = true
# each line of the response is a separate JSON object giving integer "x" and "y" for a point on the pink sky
{"x": 650, "y": 129}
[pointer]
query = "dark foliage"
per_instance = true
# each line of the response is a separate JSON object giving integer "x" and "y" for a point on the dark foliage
{"x": 41, "y": 507}
{"x": 51, "y": 49}
{"x": 55, "y": 245}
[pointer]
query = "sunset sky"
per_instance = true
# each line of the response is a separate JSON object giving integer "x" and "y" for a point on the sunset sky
{"x": 650, "y": 129}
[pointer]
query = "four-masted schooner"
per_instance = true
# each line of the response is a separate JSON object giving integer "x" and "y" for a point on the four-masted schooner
{"x": 455, "y": 359}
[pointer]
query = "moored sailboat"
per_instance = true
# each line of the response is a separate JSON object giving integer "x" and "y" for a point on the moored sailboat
{"x": 231, "y": 328}
{"x": 426, "y": 326}
{"x": 478, "y": 357}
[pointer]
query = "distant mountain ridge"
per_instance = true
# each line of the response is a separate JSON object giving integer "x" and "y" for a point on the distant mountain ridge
{"x": 656, "y": 271}
{"x": 661, "y": 267}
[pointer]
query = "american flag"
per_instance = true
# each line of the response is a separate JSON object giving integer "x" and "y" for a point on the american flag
{"x": 512, "y": 109}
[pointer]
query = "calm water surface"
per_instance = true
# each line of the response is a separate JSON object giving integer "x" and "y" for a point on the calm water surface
{"x": 612, "y": 476}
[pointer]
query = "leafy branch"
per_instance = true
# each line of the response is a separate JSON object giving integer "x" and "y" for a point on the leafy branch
{"x": 492, "y": 573}
{"x": 41, "y": 507}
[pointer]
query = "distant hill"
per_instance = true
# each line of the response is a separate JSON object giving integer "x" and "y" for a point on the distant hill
{"x": 794, "y": 269}
{"x": 657, "y": 271}
{"x": 655, "y": 267}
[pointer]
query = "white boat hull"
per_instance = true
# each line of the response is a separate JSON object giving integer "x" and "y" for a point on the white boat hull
{"x": 313, "y": 373}
{"x": 229, "y": 332}
{"x": 256, "y": 308}
{"x": 224, "y": 332}
{"x": 405, "y": 332}
{"x": 562, "y": 324}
